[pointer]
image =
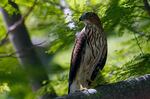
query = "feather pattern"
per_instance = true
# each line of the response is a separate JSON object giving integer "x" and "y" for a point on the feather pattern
{"x": 88, "y": 57}
{"x": 76, "y": 55}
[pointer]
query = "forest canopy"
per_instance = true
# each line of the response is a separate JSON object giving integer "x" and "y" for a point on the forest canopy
{"x": 52, "y": 26}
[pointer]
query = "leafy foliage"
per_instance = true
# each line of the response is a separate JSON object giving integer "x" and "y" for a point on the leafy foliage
{"x": 126, "y": 23}
{"x": 4, "y": 87}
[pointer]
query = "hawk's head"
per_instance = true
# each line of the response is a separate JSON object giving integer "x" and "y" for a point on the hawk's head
{"x": 90, "y": 18}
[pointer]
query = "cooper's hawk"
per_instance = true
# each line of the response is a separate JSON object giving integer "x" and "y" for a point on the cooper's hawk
{"x": 89, "y": 53}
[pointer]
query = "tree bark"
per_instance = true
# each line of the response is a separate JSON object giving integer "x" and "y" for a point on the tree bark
{"x": 136, "y": 88}
{"x": 147, "y": 6}
{"x": 26, "y": 54}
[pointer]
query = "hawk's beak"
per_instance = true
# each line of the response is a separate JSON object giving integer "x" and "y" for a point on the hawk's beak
{"x": 81, "y": 19}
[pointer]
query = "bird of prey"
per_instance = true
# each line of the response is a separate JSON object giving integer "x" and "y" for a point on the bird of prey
{"x": 89, "y": 53}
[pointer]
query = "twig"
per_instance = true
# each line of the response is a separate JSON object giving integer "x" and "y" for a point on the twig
{"x": 20, "y": 51}
{"x": 40, "y": 43}
{"x": 16, "y": 24}
{"x": 2, "y": 42}
{"x": 138, "y": 43}
{"x": 8, "y": 55}
{"x": 134, "y": 31}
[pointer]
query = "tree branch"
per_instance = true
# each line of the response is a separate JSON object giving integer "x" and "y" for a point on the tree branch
{"x": 147, "y": 6}
{"x": 12, "y": 54}
{"x": 21, "y": 41}
{"x": 136, "y": 88}
{"x": 137, "y": 41}
{"x": 8, "y": 55}
{"x": 18, "y": 23}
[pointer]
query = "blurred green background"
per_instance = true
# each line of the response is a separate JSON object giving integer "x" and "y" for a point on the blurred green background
{"x": 126, "y": 23}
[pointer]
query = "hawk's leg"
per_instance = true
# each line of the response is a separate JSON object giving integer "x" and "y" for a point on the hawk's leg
{"x": 81, "y": 88}
{"x": 86, "y": 91}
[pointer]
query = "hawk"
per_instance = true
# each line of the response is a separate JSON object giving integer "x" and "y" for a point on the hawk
{"x": 89, "y": 53}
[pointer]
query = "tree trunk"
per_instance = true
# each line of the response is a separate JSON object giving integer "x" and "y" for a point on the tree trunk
{"x": 136, "y": 88}
{"x": 24, "y": 48}
{"x": 147, "y": 6}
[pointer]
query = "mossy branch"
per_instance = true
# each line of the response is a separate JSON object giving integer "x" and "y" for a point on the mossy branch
{"x": 136, "y": 88}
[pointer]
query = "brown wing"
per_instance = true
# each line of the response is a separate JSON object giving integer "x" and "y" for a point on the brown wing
{"x": 76, "y": 56}
{"x": 101, "y": 62}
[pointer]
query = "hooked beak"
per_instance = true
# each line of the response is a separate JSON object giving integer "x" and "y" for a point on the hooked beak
{"x": 82, "y": 17}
